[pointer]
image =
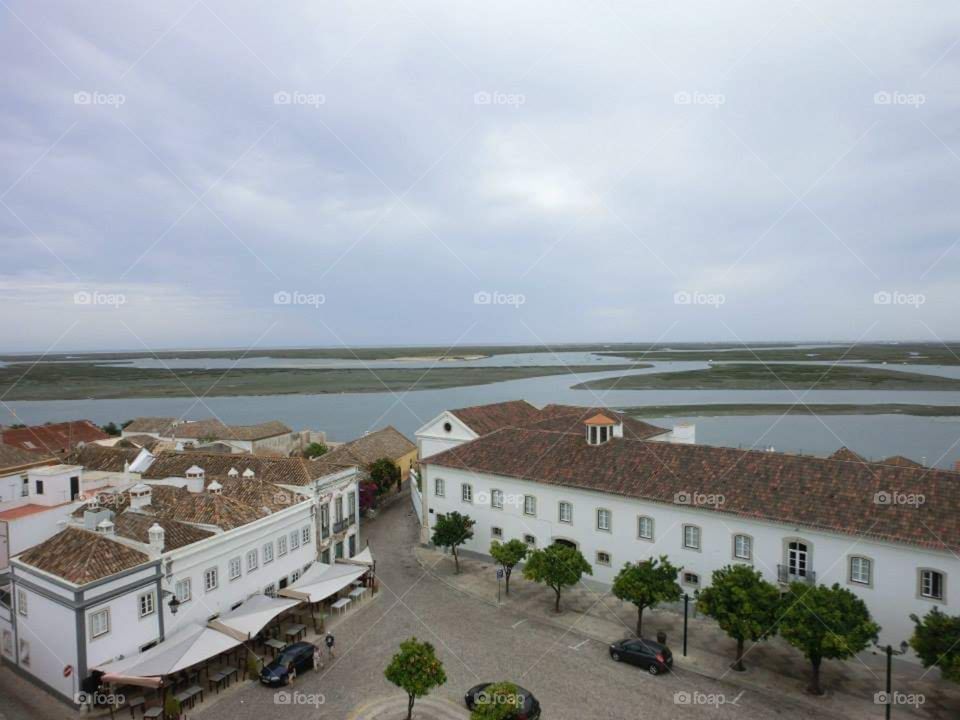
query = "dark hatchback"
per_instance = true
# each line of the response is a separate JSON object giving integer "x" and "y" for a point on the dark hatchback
{"x": 529, "y": 711}
{"x": 653, "y": 656}
{"x": 291, "y": 660}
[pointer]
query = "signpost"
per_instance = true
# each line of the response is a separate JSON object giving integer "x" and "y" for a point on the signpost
{"x": 499, "y": 578}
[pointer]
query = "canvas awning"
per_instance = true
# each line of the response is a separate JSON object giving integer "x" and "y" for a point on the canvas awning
{"x": 364, "y": 557}
{"x": 185, "y": 648}
{"x": 251, "y": 617}
{"x": 321, "y": 581}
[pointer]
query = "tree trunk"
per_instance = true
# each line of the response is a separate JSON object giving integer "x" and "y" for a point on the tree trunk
{"x": 639, "y": 620}
{"x": 815, "y": 677}
{"x": 738, "y": 665}
{"x": 456, "y": 560}
{"x": 556, "y": 606}
{"x": 506, "y": 574}
{"x": 410, "y": 699}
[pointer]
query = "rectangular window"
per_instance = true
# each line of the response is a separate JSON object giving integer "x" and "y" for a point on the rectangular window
{"x": 183, "y": 590}
{"x": 691, "y": 537}
{"x": 603, "y": 519}
{"x": 234, "y": 568}
{"x": 338, "y": 550}
{"x": 325, "y": 557}
{"x": 282, "y": 545}
{"x": 690, "y": 578}
{"x": 529, "y": 505}
{"x": 100, "y": 623}
{"x": 39, "y": 487}
{"x": 268, "y": 553}
{"x": 294, "y": 540}
{"x": 351, "y": 504}
{"x": 530, "y": 540}
{"x": 211, "y": 579}
{"x": 24, "y": 653}
{"x": 496, "y": 499}
{"x": 743, "y": 547}
{"x": 566, "y": 512}
{"x": 466, "y": 493}
{"x": 22, "y": 602}
{"x": 860, "y": 570}
{"x": 325, "y": 520}
{"x": 338, "y": 509}
{"x": 603, "y": 558}
{"x": 270, "y": 590}
{"x": 294, "y": 576}
{"x": 6, "y": 643}
{"x": 147, "y": 603}
{"x": 645, "y": 528}
{"x": 305, "y": 535}
{"x": 25, "y": 489}
{"x": 252, "y": 561}
{"x": 439, "y": 487}
{"x": 496, "y": 532}
{"x": 351, "y": 546}
{"x": 931, "y": 584}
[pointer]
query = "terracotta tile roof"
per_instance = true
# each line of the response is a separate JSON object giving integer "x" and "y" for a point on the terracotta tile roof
{"x": 26, "y": 510}
{"x": 81, "y": 556}
{"x": 136, "y": 526}
{"x": 387, "y": 442}
{"x": 14, "y": 457}
{"x": 900, "y": 461}
{"x": 255, "y": 493}
{"x": 813, "y": 492}
{"x": 845, "y": 453}
{"x": 279, "y": 470}
{"x": 483, "y": 419}
{"x": 150, "y": 425}
{"x": 55, "y": 437}
{"x": 141, "y": 441}
{"x": 210, "y": 428}
{"x": 571, "y": 419}
{"x": 106, "y": 459}
{"x": 599, "y": 419}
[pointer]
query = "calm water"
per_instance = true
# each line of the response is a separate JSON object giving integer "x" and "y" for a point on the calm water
{"x": 345, "y": 416}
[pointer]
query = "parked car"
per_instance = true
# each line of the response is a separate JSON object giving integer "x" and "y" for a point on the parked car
{"x": 653, "y": 656}
{"x": 291, "y": 660}
{"x": 529, "y": 711}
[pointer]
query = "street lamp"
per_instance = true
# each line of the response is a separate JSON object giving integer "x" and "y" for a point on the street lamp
{"x": 174, "y": 603}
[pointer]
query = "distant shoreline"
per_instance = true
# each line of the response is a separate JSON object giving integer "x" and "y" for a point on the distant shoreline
{"x": 754, "y": 409}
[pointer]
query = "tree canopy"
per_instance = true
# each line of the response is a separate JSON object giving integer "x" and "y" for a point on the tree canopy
{"x": 936, "y": 641}
{"x": 384, "y": 473}
{"x": 557, "y": 566}
{"x": 452, "y": 530}
{"x": 315, "y": 450}
{"x": 416, "y": 669}
{"x": 508, "y": 555}
{"x": 647, "y": 583}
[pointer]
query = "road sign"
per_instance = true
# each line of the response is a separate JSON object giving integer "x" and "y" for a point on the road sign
{"x": 68, "y": 671}
{"x": 499, "y": 573}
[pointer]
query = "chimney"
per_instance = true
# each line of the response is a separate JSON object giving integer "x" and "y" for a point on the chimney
{"x": 248, "y": 473}
{"x": 105, "y": 527}
{"x": 233, "y": 472}
{"x": 156, "y": 536}
{"x": 215, "y": 488}
{"x": 195, "y": 479}
{"x": 684, "y": 434}
{"x": 92, "y": 516}
{"x": 140, "y": 496}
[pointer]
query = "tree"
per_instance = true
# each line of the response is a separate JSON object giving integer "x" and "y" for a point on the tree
{"x": 498, "y": 701}
{"x": 826, "y": 623}
{"x": 384, "y": 473}
{"x": 452, "y": 530}
{"x": 368, "y": 496}
{"x": 745, "y": 605}
{"x": 508, "y": 554}
{"x": 557, "y": 567}
{"x": 315, "y": 450}
{"x": 647, "y": 583}
{"x": 416, "y": 669}
{"x": 111, "y": 429}
{"x": 936, "y": 640}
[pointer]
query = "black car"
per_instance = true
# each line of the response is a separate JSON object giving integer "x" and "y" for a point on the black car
{"x": 293, "y": 659}
{"x": 529, "y": 711}
{"x": 656, "y": 658}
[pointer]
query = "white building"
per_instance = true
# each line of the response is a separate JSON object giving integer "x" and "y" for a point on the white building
{"x": 272, "y": 438}
{"x": 889, "y": 533}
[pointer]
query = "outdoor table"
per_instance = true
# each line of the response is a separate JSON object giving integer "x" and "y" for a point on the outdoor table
{"x": 295, "y": 631}
{"x": 190, "y": 695}
{"x": 231, "y": 673}
{"x": 358, "y": 593}
{"x": 274, "y": 645}
{"x": 136, "y": 702}
{"x": 341, "y": 604}
{"x": 217, "y": 679}
{"x": 155, "y": 712}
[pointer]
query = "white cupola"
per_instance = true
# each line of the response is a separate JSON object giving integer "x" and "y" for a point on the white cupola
{"x": 248, "y": 473}
{"x": 215, "y": 488}
{"x": 105, "y": 527}
{"x": 600, "y": 429}
{"x": 233, "y": 472}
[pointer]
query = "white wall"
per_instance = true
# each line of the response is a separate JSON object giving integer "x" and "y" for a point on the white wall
{"x": 128, "y": 631}
{"x": 433, "y": 438}
{"x": 49, "y": 630}
{"x": 891, "y": 599}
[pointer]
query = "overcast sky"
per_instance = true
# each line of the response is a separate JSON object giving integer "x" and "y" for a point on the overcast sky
{"x": 406, "y": 171}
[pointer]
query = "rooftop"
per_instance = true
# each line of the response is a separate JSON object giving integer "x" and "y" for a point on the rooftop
{"x": 209, "y": 429}
{"x": 54, "y": 437}
{"x": 483, "y": 419}
{"x": 12, "y": 456}
{"x": 82, "y": 556}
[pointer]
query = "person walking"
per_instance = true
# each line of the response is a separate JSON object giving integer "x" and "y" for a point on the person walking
{"x": 317, "y": 659}
{"x": 330, "y": 642}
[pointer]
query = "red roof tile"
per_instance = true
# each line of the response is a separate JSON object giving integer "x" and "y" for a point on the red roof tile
{"x": 483, "y": 419}
{"x": 55, "y": 437}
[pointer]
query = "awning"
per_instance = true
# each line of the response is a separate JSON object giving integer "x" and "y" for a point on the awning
{"x": 185, "y": 648}
{"x": 364, "y": 557}
{"x": 321, "y": 581}
{"x": 251, "y": 617}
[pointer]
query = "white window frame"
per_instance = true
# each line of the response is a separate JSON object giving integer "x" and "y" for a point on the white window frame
{"x": 268, "y": 553}
{"x": 183, "y": 590}
{"x": 640, "y": 521}
{"x": 922, "y": 572}
{"x": 600, "y": 555}
{"x": 496, "y": 499}
{"x": 92, "y": 619}
{"x": 695, "y": 529}
{"x": 741, "y": 538}
{"x": 856, "y": 577}
{"x": 305, "y": 535}
{"x": 560, "y": 506}
{"x": 253, "y": 560}
{"x": 496, "y": 532}
{"x": 685, "y": 581}
{"x": 22, "y": 605}
{"x": 294, "y": 540}
{"x": 466, "y": 493}
{"x": 439, "y": 487}
{"x": 530, "y": 505}
{"x": 234, "y": 568}
{"x": 609, "y": 516}
{"x": 530, "y": 540}
{"x": 146, "y": 604}
{"x": 207, "y": 575}
{"x": 281, "y": 546}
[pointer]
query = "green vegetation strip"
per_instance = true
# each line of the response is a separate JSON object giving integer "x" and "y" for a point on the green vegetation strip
{"x": 73, "y": 381}
{"x": 776, "y": 377}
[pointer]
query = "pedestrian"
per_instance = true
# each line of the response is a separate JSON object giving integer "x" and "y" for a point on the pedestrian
{"x": 329, "y": 641}
{"x": 317, "y": 659}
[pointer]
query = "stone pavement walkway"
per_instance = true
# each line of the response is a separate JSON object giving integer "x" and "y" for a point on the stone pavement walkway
{"x": 774, "y": 668}
{"x": 394, "y": 707}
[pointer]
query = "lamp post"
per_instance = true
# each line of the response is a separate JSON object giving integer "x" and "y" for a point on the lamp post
{"x": 890, "y": 652}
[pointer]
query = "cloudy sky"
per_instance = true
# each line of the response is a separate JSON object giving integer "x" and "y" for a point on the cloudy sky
{"x": 198, "y": 173}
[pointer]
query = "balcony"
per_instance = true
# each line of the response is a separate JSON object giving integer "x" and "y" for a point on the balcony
{"x": 325, "y": 531}
{"x": 786, "y": 575}
{"x": 340, "y": 525}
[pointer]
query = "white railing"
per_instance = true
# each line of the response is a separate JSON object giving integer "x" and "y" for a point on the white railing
{"x": 416, "y": 500}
